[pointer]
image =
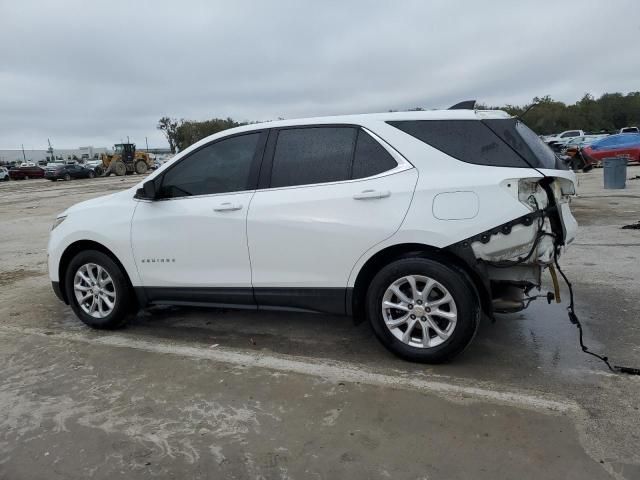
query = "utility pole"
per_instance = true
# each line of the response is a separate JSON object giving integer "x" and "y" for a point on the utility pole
{"x": 147, "y": 143}
{"x": 23, "y": 156}
{"x": 50, "y": 151}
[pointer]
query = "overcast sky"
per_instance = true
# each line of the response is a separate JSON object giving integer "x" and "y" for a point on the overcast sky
{"x": 93, "y": 72}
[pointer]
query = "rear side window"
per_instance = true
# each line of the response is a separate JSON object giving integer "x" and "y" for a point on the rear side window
{"x": 305, "y": 156}
{"x": 467, "y": 140}
{"x": 370, "y": 158}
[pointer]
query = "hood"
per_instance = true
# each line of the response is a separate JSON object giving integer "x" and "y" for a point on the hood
{"x": 103, "y": 202}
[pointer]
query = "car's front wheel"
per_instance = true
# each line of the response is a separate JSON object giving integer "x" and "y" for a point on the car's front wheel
{"x": 423, "y": 310}
{"x": 98, "y": 290}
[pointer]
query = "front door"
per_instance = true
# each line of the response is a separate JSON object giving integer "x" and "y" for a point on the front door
{"x": 191, "y": 244}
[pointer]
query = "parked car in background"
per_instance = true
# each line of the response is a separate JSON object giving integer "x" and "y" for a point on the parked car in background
{"x": 630, "y": 130}
{"x": 557, "y": 142}
{"x": 92, "y": 164}
{"x": 621, "y": 145}
{"x": 26, "y": 171}
{"x": 564, "y": 135}
{"x": 67, "y": 172}
{"x": 4, "y": 174}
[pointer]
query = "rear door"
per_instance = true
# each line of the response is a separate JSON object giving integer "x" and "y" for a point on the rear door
{"x": 327, "y": 195}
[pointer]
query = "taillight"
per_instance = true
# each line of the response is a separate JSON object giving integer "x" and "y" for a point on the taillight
{"x": 531, "y": 194}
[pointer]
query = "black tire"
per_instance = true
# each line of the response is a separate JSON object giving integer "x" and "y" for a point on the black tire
{"x": 67, "y": 177}
{"x": 119, "y": 168}
{"x": 124, "y": 296}
{"x": 141, "y": 167}
{"x": 91, "y": 174}
{"x": 454, "y": 280}
{"x": 99, "y": 171}
{"x": 7, "y": 178}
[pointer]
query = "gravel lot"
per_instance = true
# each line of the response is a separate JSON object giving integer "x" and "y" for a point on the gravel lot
{"x": 194, "y": 393}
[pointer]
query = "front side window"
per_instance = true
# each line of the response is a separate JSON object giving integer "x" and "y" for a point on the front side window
{"x": 221, "y": 167}
{"x": 311, "y": 155}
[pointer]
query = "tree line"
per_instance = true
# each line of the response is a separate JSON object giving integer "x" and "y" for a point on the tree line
{"x": 608, "y": 113}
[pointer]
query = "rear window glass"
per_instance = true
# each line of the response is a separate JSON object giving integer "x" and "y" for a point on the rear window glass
{"x": 467, "y": 140}
{"x": 524, "y": 141}
{"x": 371, "y": 158}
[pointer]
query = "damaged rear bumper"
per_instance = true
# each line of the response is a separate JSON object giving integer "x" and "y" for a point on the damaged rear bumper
{"x": 511, "y": 257}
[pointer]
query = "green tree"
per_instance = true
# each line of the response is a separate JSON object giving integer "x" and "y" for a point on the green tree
{"x": 169, "y": 127}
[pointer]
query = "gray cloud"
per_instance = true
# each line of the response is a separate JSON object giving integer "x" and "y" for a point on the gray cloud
{"x": 94, "y": 72}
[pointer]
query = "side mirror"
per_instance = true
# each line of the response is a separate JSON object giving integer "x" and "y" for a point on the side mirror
{"x": 148, "y": 191}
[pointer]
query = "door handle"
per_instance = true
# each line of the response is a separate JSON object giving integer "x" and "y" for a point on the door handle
{"x": 371, "y": 194}
{"x": 227, "y": 207}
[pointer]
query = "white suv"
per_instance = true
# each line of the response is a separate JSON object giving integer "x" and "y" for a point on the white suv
{"x": 417, "y": 221}
{"x": 4, "y": 174}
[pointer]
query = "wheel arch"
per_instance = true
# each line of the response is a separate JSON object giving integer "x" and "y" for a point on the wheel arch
{"x": 76, "y": 247}
{"x": 356, "y": 297}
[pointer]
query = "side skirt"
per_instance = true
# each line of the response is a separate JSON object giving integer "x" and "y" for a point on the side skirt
{"x": 316, "y": 300}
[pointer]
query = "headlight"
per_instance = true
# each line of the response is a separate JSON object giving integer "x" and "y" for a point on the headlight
{"x": 58, "y": 221}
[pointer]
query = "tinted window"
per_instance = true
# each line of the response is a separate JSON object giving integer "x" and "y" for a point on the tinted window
{"x": 370, "y": 158}
{"x": 468, "y": 140}
{"x": 224, "y": 166}
{"x": 305, "y": 156}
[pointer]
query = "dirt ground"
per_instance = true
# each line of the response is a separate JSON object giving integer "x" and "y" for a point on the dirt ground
{"x": 208, "y": 394}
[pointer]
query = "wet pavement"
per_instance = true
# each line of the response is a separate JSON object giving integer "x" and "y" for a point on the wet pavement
{"x": 196, "y": 393}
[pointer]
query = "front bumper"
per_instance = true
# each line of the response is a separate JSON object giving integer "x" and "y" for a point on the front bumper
{"x": 58, "y": 291}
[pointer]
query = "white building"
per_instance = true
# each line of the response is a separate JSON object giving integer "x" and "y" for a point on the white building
{"x": 61, "y": 154}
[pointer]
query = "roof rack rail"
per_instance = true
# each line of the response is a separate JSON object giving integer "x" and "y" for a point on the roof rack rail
{"x": 466, "y": 105}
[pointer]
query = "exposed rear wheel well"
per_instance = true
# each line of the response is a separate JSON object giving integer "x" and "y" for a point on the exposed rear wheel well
{"x": 79, "y": 246}
{"x": 405, "y": 250}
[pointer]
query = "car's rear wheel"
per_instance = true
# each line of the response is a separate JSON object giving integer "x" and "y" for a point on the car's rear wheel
{"x": 67, "y": 177}
{"x": 98, "y": 290}
{"x": 423, "y": 310}
{"x": 91, "y": 174}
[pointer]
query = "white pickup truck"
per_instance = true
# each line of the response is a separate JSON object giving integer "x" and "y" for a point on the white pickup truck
{"x": 561, "y": 137}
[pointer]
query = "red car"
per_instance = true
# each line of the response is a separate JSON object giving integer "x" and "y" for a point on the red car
{"x": 26, "y": 172}
{"x": 622, "y": 145}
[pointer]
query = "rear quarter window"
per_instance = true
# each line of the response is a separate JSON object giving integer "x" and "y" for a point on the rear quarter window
{"x": 470, "y": 141}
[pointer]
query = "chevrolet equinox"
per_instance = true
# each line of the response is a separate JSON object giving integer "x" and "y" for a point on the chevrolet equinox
{"x": 417, "y": 221}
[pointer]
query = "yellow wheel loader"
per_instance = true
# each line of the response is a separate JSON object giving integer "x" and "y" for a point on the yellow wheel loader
{"x": 125, "y": 160}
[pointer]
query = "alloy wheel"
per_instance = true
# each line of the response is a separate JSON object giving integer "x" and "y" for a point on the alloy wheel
{"x": 94, "y": 290}
{"x": 419, "y": 311}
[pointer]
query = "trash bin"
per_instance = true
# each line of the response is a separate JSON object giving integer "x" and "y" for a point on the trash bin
{"x": 615, "y": 172}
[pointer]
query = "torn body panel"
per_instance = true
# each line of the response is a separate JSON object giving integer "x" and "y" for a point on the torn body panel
{"x": 511, "y": 257}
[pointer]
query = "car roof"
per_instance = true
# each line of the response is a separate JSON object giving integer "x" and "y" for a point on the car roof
{"x": 387, "y": 117}
{"x": 630, "y": 137}
{"x": 382, "y": 117}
